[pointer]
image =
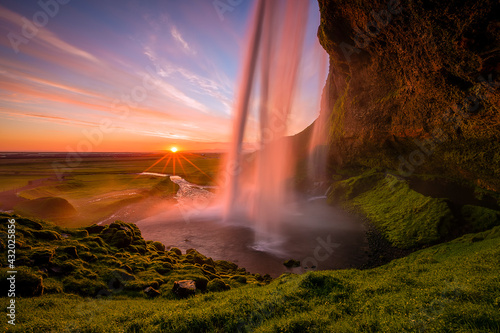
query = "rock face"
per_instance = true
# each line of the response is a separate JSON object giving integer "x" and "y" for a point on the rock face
{"x": 414, "y": 86}
{"x": 184, "y": 288}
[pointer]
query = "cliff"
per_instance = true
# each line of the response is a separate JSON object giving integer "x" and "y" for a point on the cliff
{"x": 413, "y": 87}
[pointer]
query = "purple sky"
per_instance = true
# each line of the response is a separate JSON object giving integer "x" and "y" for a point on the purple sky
{"x": 130, "y": 75}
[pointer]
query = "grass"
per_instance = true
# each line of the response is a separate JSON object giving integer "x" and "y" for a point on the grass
{"x": 98, "y": 186}
{"x": 11, "y": 182}
{"x": 452, "y": 287}
{"x": 406, "y": 218}
{"x": 102, "y": 261}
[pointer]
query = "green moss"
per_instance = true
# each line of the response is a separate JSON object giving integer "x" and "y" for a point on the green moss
{"x": 98, "y": 265}
{"x": 405, "y": 217}
{"x": 452, "y": 287}
{"x": 28, "y": 282}
{"x": 480, "y": 218}
{"x": 217, "y": 285}
{"x": 46, "y": 235}
{"x": 158, "y": 246}
{"x": 337, "y": 115}
{"x": 84, "y": 286}
{"x": 354, "y": 186}
{"x": 176, "y": 251}
{"x": 53, "y": 286}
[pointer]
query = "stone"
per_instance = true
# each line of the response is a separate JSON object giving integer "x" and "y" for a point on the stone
{"x": 184, "y": 288}
{"x": 151, "y": 292}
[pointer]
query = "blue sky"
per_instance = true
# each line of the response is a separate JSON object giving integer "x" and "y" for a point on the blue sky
{"x": 133, "y": 75}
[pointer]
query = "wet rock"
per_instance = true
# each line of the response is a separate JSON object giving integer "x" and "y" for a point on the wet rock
{"x": 184, "y": 288}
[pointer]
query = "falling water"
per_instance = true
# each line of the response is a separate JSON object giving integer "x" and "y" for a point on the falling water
{"x": 260, "y": 194}
{"x": 318, "y": 144}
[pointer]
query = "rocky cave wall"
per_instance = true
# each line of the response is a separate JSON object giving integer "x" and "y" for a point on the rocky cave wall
{"x": 413, "y": 86}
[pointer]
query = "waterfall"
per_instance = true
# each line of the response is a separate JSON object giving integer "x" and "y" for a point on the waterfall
{"x": 258, "y": 186}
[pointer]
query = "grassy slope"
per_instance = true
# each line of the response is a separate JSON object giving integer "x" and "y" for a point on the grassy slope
{"x": 448, "y": 287}
{"x": 407, "y": 218}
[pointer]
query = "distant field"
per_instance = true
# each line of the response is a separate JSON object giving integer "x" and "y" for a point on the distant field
{"x": 11, "y": 182}
{"x": 100, "y": 184}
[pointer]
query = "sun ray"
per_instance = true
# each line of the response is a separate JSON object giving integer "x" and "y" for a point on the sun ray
{"x": 197, "y": 168}
{"x": 180, "y": 163}
{"x": 166, "y": 164}
{"x": 173, "y": 160}
{"x": 155, "y": 163}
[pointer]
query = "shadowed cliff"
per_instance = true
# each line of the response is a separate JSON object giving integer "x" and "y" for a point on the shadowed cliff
{"x": 413, "y": 87}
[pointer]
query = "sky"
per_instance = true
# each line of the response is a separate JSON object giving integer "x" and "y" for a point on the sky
{"x": 132, "y": 75}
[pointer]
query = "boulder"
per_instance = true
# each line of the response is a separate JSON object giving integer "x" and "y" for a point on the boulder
{"x": 176, "y": 251}
{"x": 121, "y": 239}
{"x": 184, "y": 288}
{"x": 159, "y": 246}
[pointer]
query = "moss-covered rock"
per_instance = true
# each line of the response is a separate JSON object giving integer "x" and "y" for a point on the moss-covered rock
{"x": 84, "y": 287}
{"x": 95, "y": 229}
{"x": 99, "y": 265}
{"x": 480, "y": 218}
{"x": 26, "y": 282}
{"x": 46, "y": 235}
{"x": 176, "y": 251}
{"x": 405, "y": 217}
{"x": 42, "y": 256}
{"x": 158, "y": 246}
{"x": 217, "y": 285}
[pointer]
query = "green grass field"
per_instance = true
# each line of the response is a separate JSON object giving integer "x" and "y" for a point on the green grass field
{"x": 451, "y": 287}
{"x": 97, "y": 186}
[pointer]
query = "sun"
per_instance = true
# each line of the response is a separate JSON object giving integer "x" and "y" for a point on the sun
{"x": 173, "y": 149}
